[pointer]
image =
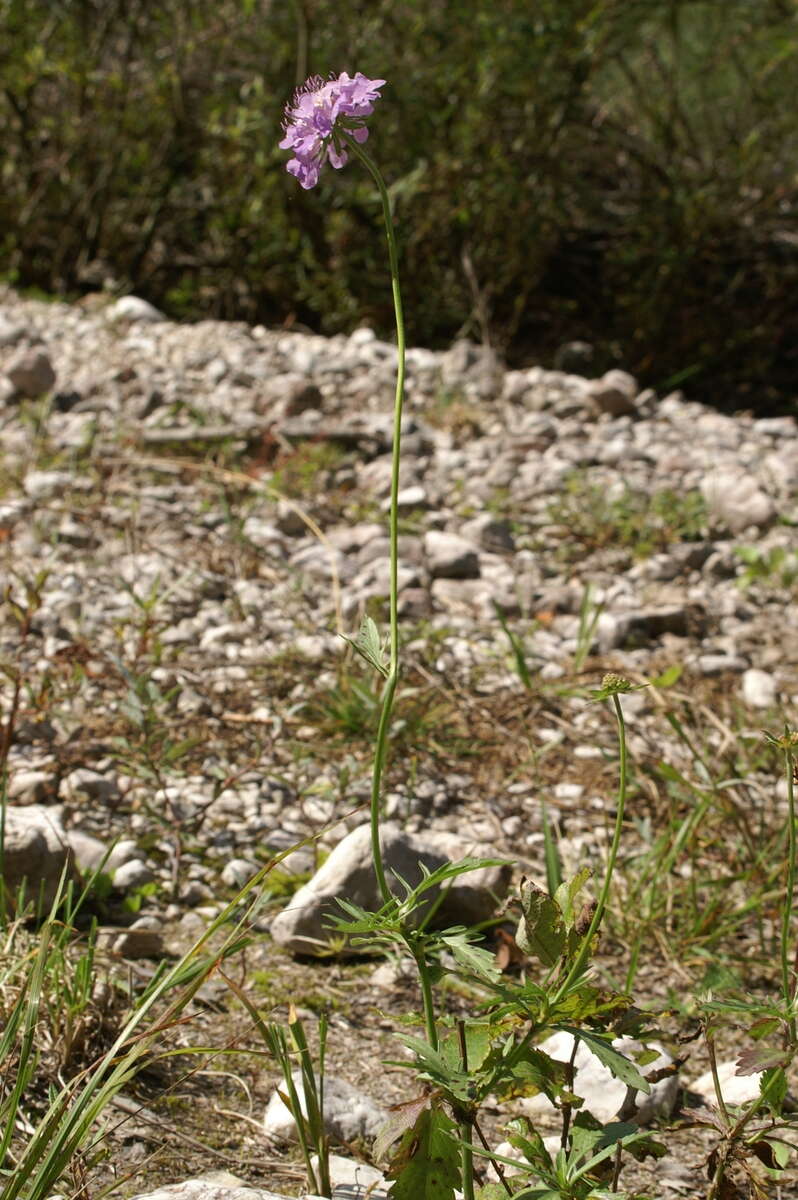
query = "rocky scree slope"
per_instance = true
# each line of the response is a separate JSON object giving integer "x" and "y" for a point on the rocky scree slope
{"x": 191, "y": 514}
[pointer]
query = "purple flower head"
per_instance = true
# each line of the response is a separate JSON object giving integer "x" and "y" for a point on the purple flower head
{"x": 317, "y": 113}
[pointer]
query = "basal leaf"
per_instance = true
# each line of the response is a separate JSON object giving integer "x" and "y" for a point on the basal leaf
{"x": 491, "y": 1191}
{"x": 540, "y": 932}
{"x": 773, "y": 1152}
{"x": 536, "y": 1072}
{"x": 401, "y": 1117}
{"x": 478, "y": 1038}
{"x": 537, "y": 1193}
{"x": 427, "y": 1163}
{"x": 587, "y": 1133}
{"x": 774, "y": 1084}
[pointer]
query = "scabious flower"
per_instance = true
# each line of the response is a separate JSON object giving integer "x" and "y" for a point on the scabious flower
{"x": 317, "y": 114}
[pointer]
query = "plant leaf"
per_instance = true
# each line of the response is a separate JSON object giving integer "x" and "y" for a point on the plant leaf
{"x": 773, "y": 1152}
{"x": 523, "y": 1136}
{"x": 775, "y": 1081}
{"x": 479, "y": 1040}
{"x": 367, "y": 644}
{"x": 427, "y": 1163}
{"x": 671, "y": 675}
{"x": 566, "y": 896}
{"x": 401, "y": 1118}
{"x": 536, "y": 1072}
{"x": 761, "y": 1058}
{"x": 612, "y": 1059}
{"x": 470, "y": 957}
{"x": 540, "y": 931}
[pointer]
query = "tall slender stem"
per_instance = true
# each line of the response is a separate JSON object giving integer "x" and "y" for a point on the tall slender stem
{"x": 584, "y": 950}
{"x": 389, "y": 692}
{"x": 788, "y": 983}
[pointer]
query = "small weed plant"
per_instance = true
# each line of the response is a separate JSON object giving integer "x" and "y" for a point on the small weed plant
{"x": 776, "y": 568}
{"x": 639, "y": 523}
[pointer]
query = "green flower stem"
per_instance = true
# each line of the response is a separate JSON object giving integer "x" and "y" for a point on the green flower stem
{"x": 389, "y": 692}
{"x": 787, "y": 981}
{"x": 380, "y": 752}
{"x": 584, "y": 950}
{"x": 381, "y": 746}
{"x": 426, "y": 995}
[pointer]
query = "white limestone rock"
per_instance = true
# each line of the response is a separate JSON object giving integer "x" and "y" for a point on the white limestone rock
{"x": 449, "y": 556}
{"x": 208, "y": 1189}
{"x": 735, "y": 500}
{"x": 133, "y": 308}
{"x": 759, "y": 688}
{"x": 348, "y": 873}
{"x": 349, "y": 1114}
{"x": 36, "y": 852}
{"x": 614, "y": 393}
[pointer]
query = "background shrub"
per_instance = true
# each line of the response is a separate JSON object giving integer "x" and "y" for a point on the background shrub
{"x": 621, "y": 171}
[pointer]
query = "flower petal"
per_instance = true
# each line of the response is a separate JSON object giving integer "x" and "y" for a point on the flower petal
{"x": 312, "y": 115}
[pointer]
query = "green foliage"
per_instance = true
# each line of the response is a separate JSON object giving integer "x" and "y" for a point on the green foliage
{"x": 49, "y": 989}
{"x": 551, "y": 853}
{"x": 289, "y": 1047}
{"x": 350, "y": 711}
{"x": 578, "y": 168}
{"x": 589, "y": 613}
{"x": 773, "y": 568}
{"x": 633, "y": 521}
{"x": 577, "y": 1171}
{"x": 301, "y": 473}
{"x": 551, "y": 928}
{"x": 426, "y": 1165}
{"x": 516, "y": 646}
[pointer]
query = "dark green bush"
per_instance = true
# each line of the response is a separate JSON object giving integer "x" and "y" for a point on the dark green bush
{"x": 622, "y": 171}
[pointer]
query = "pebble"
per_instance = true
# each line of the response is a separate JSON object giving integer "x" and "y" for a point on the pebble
{"x": 133, "y": 308}
{"x": 31, "y": 373}
{"x": 349, "y": 1114}
{"x": 208, "y": 1188}
{"x": 615, "y": 393}
{"x": 238, "y": 871}
{"x": 758, "y": 688}
{"x": 736, "y": 500}
{"x": 132, "y": 874}
{"x": 450, "y": 557}
{"x": 228, "y": 590}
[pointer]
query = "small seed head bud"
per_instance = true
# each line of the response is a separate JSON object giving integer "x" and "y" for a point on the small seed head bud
{"x": 613, "y": 683}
